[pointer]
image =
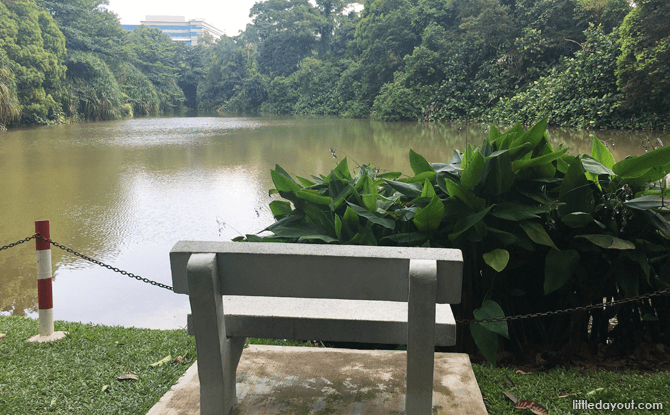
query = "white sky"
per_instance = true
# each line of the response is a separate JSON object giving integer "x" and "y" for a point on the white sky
{"x": 231, "y": 16}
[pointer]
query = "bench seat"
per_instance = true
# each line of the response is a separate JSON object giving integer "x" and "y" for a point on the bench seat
{"x": 357, "y": 294}
{"x": 326, "y": 319}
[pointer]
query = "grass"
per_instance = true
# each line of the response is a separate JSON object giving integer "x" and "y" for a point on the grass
{"x": 78, "y": 375}
{"x": 549, "y": 389}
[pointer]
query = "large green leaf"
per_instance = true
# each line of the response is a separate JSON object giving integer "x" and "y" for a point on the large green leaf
{"x": 486, "y": 341}
{"x": 575, "y": 190}
{"x": 494, "y": 133}
{"x": 419, "y": 178}
{"x": 418, "y": 163}
{"x": 592, "y": 165}
{"x": 428, "y": 190}
{"x": 473, "y": 171}
{"x": 293, "y": 230}
{"x": 532, "y": 136}
{"x": 505, "y": 237}
{"x": 659, "y": 222}
{"x": 428, "y": 219}
{"x": 537, "y": 161}
{"x": 305, "y": 182}
{"x": 601, "y": 153}
{"x": 516, "y": 212}
{"x": 500, "y": 178}
{"x": 648, "y": 202}
{"x": 577, "y": 219}
{"x": 283, "y": 183}
{"x": 497, "y": 259}
{"x": 391, "y": 175}
{"x": 283, "y": 172}
{"x": 372, "y": 217}
{"x": 468, "y": 222}
{"x": 369, "y": 194}
{"x": 338, "y": 226}
{"x": 342, "y": 169}
{"x": 314, "y": 197}
{"x": 608, "y": 241}
{"x": 280, "y": 207}
{"x": 491, "y": 309}
{"x": 408, "y": 189}
{"x": 558, "y": 268}
{"x": 324, "y": 238}
{"x": 536, "y": 232}
{"x": 350, "y": 218}
{"x": 637, "y": 166}
{"x": 407, "y": 238}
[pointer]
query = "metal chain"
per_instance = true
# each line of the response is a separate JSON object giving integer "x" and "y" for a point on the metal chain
{"x": 18, "y": 242}
{"x": 486, "y": 320}
{"x": 569, "y": 310}
{"x": 82, "y": 256}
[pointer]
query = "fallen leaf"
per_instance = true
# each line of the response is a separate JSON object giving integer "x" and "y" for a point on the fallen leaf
{"x": 179, "y": 359}
{"x": 534, "y": 407}
{"x": 104, "y": 389}
{"x": 521, "y": 372}
{"x": 509, "y": 381}
{"x": 2, "y": 335}
{"x": 127, "y": 376}
{"x": 162, "y": 361}
{"x": 569, "y": 394}
{"x": 512, "y": 397}
{"x": 593, "y": 392}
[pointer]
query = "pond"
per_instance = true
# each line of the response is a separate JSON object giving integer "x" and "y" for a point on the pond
{"x": 124, "y": 192}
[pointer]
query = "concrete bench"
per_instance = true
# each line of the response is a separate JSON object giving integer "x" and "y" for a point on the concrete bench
{"x": 363, "y": 294}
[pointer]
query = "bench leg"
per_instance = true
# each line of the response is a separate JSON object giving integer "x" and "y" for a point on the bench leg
{"x": 421, "y": 336}
{"x": 217, "y": 390}
{"x": 233, "y": 352}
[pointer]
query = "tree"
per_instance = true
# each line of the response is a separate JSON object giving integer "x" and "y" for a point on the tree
{"x": 154, "y": 53}
{"x": 92, "y": 89}
{"x": 192, "y": 61}
{"x": 35, "y": 49}
{"x": 384, "y": 36}
{"x": 88, "y": 26}
{"x": 643, "y": 69}
{"x": 10, "y": 109}
{"x": 226, "y": 71}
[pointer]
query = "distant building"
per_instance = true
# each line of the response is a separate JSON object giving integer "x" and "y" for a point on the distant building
{"x": 178, "y": 28}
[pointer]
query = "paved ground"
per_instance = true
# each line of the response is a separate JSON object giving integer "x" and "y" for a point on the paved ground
{"x": 304, "y": 380}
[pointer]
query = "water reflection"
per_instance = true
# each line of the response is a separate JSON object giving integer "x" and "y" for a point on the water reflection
{"x": 125, "y": 191}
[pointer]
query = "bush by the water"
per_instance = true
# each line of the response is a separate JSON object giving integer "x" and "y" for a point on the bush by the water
{"x": 540, "y": 230}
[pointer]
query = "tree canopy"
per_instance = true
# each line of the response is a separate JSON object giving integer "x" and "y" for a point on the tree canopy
{"x": 588, "y": 63}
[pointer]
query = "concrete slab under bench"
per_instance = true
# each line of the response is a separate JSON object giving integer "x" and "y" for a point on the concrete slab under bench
{"x": 311, "y": 380}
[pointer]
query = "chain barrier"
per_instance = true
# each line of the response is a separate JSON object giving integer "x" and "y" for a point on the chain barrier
{"x": 102, "y": 264}
{"x": 568, "y": 310}
{"x": 18, "y": 242}
{"x": 485, "y": 320}
{"x": 89, "y": 259}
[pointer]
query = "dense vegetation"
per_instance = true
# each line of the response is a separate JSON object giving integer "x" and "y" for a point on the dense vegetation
{"x": 540, "y": 230}
{"x": 586, "y": 63}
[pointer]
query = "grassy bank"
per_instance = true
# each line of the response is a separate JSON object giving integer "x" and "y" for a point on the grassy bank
{"x": 78, "y": 375}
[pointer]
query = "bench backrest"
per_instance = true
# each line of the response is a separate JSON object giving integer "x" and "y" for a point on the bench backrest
{"x": 319, "y": 271}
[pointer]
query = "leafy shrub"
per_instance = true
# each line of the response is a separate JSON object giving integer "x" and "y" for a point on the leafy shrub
{"x": 540, "y": 229}
{"x": 10, "y": 108}
{"x": 395, "y": 102}
{"x": 138, "y": 89}
{"x": 93, "y": 91}
{"x": 580, "y": 92}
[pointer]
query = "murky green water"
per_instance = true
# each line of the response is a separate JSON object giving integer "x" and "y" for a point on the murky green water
{"x": 124, "y": 192}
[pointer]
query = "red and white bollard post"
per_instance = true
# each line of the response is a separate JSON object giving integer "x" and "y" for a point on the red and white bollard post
{"x": 44, "y": 292}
